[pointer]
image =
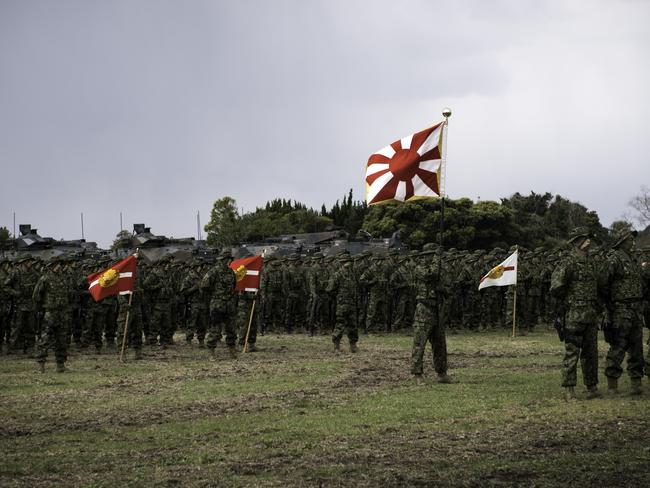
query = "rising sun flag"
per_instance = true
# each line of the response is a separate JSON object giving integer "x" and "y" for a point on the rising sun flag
{"x": 408, "y": 169}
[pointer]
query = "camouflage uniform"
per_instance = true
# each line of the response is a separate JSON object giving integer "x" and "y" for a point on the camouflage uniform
{"x": 51, "y": 295}
{"x": 575, "y": 282}
{"x": 317, "y": 293}
{"x": 219, "y": 283}
{"x": 625, "y": 308}
{"x": 159, "y": 290}
{"x": 272, "y": 294}
{"x": 644, "y": 262}
{"x": 294, "y": 288}
{"x": 376, "y": 279}
{"x": 196, "y": 304}
{"x": 343, "y": 285}
{"x": 24, "y": 330}
{"x": 8, "y": 293}
{"x": 427, "y": 326}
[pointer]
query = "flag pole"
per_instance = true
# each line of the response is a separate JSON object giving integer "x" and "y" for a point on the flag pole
{"x": 126, "y": 320}
{"x": 514, "y": 305}
{"x": 446, "y": 113}
{"x": 250, "y": 321}
{"x": 126, "y": 328}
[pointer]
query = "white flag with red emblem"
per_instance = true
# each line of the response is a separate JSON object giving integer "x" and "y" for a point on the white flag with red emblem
{"x": 408, "y": 169}
{"x": 118, "y": 279}
{"x": 248, "y": 272}
{"x": 502, "y": 275}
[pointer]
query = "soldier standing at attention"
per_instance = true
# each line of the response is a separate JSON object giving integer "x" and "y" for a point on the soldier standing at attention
{"x": 427, "y": 327}
{"x": 219, "y": 283}
{"x": 8, "y": 293}
{"x": 625, "y": 308}
{"x": 343, "y": 285}
{"x": 51, "y": 295}
{"x": 575, "y": 283}
{"x": 190, "y": 288}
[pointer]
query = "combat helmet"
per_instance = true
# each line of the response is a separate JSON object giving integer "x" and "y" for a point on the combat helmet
{"x": 579, "y": 232}
{"x": 623, "y": 236}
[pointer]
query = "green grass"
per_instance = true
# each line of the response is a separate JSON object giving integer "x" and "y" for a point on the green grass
{"x": 295, "y": 414}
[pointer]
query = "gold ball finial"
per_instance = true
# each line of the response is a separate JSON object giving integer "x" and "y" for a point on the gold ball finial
{"x": 446, "y": 112}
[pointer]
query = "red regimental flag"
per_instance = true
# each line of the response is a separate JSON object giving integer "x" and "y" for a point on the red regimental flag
{"x": 118, "y": 279}
{"x": 248, "y": 272}
{"x": 408, "y": 169}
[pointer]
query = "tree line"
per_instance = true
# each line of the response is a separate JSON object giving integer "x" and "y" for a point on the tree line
{"x": 534, "y": 220}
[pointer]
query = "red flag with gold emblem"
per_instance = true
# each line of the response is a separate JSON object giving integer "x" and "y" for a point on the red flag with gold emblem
{"x": 248, "y": 272}
{"x": 118, "y": 279}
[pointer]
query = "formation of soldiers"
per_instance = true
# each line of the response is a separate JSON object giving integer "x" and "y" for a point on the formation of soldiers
{"x": 338, "y": 295}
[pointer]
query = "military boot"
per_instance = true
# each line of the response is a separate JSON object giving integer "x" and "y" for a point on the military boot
{"x": 337, "y": 346}
{"x": 232, "y": 352}
{"x": 138, "y": 355}
{"x": 201, "y": 343}
{"x": 60, "y": 367}
{"x": 41, "y": 366}
{"x": 353, "y": 347}
{"x": 592, "y": 392}
{"x": 444, "y": 379}
{"x": 213, "y": 353}
{"x": 251, "y": 348}
{"x": 98, "y": 350}
{"x": 570, "y": 393}
{"x": 612, "y": 385}
{"x": 636, "y": 386}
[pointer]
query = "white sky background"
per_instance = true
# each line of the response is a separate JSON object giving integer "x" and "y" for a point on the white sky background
{"x": 157, "y": 108}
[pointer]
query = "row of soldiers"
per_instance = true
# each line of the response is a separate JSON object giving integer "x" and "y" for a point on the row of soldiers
{"x": 293, "y": 297}
{"x": 296, "y": 294}
{"x": 294, "y": 291}
{"x": 47, "y": 305}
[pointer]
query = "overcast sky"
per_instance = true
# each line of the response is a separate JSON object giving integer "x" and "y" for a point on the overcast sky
{"x": 156, "y": 108}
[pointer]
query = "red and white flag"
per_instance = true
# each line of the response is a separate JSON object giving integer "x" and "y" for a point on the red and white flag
{"x": 248, "y": 272}
{"x": 502, "y": 275}
{"x": 118, "y": 279}
{"x": 408, "y": 169}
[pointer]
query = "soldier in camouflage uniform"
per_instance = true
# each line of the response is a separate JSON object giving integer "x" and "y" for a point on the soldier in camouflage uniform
{"x": 272, "y": 297}
{"x": 575, "y": 282}
{"x": 159, "y": 291}
{"x": 360, "y": 264}
{"x": 625, "y": 311}
{"x": 376, "y": 279}
{"x": 51, "y": 295}
{"x": 343, "y": 285}
{"x": 95, "y": 313}
{"x": 196, "y": 303}
{"x": 644, "y": 262}
{"x": 317, "y": 285}
{"x": 219, "y": 283}
{"x": 427, "y": 326}
{"x": 294, "y": 287}
{"x": 24, "y": 330}
{"x": 8, "y": 293}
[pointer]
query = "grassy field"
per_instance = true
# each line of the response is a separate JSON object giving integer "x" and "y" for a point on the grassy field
{"x": 295, "y": 414}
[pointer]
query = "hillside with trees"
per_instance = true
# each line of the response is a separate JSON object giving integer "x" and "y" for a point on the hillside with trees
{"x": 534, "y": 220}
